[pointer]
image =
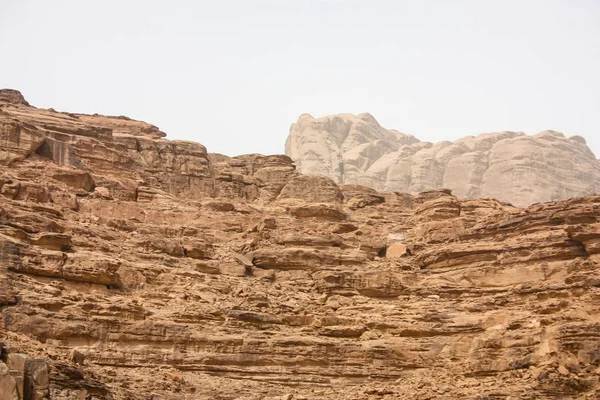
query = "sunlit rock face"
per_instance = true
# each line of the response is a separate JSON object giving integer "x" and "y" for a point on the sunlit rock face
{"x": 509, "y": 166}
{"x": 134, "y": 267}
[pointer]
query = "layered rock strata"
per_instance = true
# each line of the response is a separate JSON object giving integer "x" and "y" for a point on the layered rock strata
{"x": 142, "y": 268}
{"x": 510, "y": 166}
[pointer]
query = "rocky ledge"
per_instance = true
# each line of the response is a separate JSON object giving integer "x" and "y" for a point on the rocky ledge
{"x": 134, "y": 267}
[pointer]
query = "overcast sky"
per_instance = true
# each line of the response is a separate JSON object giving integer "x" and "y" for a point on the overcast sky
{"x": 233, "y": 75}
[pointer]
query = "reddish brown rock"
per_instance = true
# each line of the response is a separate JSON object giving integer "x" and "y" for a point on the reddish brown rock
{"x": 8, "y": 385}
{"x": 319, "y": 211}
{"x": 138, "y": 268}
{"x": 12, "y": 96}
{"x": 317, "y": 189}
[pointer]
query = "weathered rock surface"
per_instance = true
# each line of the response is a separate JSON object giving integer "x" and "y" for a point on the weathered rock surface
{"x": 171, "y": 273}
{"x": 509, "y": 166}
{"x": 22, "y": 378}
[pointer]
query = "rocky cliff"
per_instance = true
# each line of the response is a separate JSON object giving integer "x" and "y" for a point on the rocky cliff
{"x": 135, "y": 267}
{"x": 509, "y": 166}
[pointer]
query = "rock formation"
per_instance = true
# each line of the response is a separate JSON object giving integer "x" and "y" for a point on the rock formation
{"x": 134, "y": 267}
{"x": 22, "y": 377}
{"x": 509, "y": 166}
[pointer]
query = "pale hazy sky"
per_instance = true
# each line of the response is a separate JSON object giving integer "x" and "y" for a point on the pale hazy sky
{"x": 233, "y": 75}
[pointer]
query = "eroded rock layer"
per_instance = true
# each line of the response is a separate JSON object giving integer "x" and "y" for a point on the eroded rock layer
{"x": 510, "y": 166}
{"x": 134, "y": 267}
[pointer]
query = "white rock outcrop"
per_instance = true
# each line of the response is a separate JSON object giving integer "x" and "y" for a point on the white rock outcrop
{"x": 509, "y": 166}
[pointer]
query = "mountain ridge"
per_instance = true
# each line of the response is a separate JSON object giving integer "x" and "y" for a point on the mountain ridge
{"x": 356, "y": 149}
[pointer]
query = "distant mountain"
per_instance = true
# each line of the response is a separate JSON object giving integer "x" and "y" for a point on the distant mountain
{"x": 509, "y": 166}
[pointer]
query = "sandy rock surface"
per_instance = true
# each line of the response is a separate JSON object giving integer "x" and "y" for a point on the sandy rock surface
{"x": 134, "y": 267}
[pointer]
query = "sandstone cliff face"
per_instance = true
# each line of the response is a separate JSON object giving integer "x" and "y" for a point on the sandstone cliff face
{"x": 139, "y": 268}
{"x": 508, "y": 166}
